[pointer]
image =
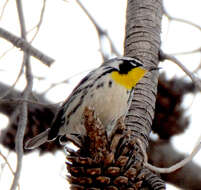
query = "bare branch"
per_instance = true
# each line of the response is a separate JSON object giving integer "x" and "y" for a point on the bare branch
{"x": 197, "y": 50}
{"x": 180, "y": 19}
{"x": 101, "y": 33}
{"x": 21, "y": 100}
{"x": 8, "y": 164}
{"x": 65, "y": 81}
{"x": 5, "y": 52}
{"x": 12, "y": 87}
{"x": 24, "y": 107}
{"x": 163, "y": 154}
{"x": 37, "y": 27}
{"x": 195, "y": 80}
{"x": 6, "y": 161}
{"x": 25, "y": 46}
{"x": 3, "y": 9}
{"x": 174, "y": 167}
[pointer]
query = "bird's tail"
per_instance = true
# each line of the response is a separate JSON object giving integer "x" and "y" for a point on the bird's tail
{"x": 37, "y": 140}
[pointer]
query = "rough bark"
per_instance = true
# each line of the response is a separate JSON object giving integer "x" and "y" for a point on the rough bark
{"x": 143, "y": 41}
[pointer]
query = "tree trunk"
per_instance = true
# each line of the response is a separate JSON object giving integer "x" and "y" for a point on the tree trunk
{"x": 143, "y": 41}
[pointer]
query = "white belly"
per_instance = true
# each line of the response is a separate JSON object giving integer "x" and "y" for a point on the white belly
{"x": 109, "y": 104}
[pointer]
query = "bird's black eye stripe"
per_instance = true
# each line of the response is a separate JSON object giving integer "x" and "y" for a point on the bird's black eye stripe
{"x": 127, "y": 65}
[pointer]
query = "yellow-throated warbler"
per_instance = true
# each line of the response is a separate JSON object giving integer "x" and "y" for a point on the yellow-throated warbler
{"x": 107, "y": 89}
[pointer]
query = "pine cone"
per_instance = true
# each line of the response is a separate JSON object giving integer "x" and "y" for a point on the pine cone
{"x": 105, "y": 162}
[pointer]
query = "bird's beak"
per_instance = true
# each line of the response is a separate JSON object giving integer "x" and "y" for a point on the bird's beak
{"x": 154, "y": 68}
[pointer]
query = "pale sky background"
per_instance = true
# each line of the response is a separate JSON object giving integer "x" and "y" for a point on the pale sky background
{"x": 68, "y": 36}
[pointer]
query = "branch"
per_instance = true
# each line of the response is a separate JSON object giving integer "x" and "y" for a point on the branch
{"x": 6, "y": 161}
{"x": 101, "y": 33}
{"x": 174, "y": 167}
{"x": 143, "y": 42}
{"x": 21, "y": 100}
{"x": 196, "y": 81}
{"x": 9, "y": 166}
{"x": 24, "y": 107}
{"x": 163, "y": 154}
{"x": 180, "y": 20}
{"x": 6, "y": 51}
{"x": 13, "y": 86}
{"x": 197, "y": 50}
{"x": 65, "y": 81}
{"x": 25, "y": 46}
{"x": 3, "y": 9}
{"x": 37, "y": 27}
{"x": 13, "y": 99}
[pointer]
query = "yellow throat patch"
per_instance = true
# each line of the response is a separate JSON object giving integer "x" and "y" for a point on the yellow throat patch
{"x": 130, "y": 79}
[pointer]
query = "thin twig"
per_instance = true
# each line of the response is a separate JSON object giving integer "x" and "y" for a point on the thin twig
{"x": 3, "y": 9}
{"x": 174, "y": 167}
{"x": 13, "y": 86}
{"x": 21, "y": 100}
{"x": 5, "y": 52}
{"x": 25, "y": 46}
{"x": 65, "y": 81}
{"x": 24, "y": 107}
{"x": 37, "y": 27}
{"x": 6, "y": 161}
{"x": 8, "y": 164}
{"x": 196, "y": 80}
{"x": 180, "y": 20}
{"x": 197, "y": 50}
{"x": 100, "y": 31}
{"x": 5, "y": 158}
{"x": 197, "y": 147}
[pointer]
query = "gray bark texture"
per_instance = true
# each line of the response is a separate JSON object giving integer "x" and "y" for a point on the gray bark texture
{"x": 143, "y": 41}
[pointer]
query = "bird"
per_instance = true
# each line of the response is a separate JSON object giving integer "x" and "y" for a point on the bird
{"x": 107, "y": 89}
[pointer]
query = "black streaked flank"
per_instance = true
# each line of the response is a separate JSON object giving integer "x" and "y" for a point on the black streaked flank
{"x": 85, "y": 79}
{"x": 110, "y": 84}
{"x": 81, "y": 87}
{"x": 78, "y": 104}
{"x": 74, "y": 94}
{"x": 100, "y": 85}
{"x": 60, "y": 116}
{"x": 58, "y": 121}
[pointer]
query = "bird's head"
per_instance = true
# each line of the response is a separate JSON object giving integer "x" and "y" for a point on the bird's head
{"x": 127, "y": 71}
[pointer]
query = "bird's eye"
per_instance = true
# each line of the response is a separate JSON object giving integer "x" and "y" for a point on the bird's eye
{"x": 128, "y": 65}
{"x": 125, "y": 67}
{"x": 136, "y": 63}
{"x": 133, "y": 63}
